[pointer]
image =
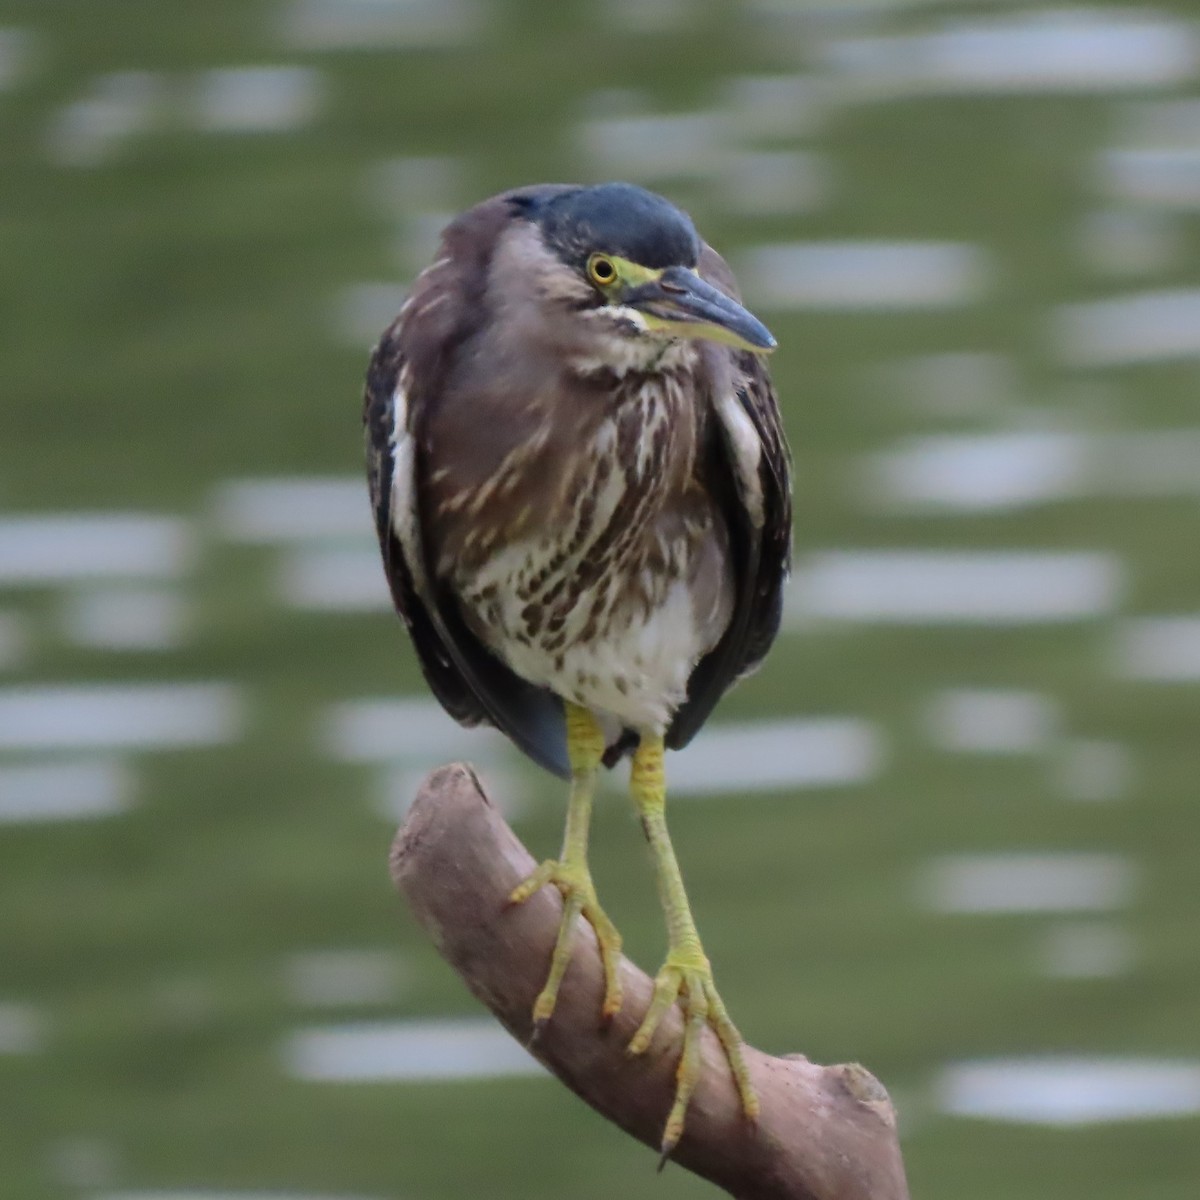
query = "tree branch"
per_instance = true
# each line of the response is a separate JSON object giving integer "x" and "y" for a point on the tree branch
{"x": 826, "y": 1133}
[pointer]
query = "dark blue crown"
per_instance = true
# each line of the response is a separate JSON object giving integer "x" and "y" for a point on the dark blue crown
{"x": 616, "y": 218}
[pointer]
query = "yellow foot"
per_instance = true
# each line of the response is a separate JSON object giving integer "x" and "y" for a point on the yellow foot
{"x": 574, "y": 881}
{"x": 686, "y": 976}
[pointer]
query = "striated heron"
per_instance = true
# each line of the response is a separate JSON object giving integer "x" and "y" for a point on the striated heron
{"x": 581, "y": 488}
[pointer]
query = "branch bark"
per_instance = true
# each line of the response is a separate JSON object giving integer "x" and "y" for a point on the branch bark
{"x": 826, "y": 1133}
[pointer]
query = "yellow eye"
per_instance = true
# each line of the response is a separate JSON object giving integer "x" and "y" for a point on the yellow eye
{"x": 602, "y": 270}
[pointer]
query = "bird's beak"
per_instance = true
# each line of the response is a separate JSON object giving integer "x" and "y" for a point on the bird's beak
{"x": 680, "y": 302}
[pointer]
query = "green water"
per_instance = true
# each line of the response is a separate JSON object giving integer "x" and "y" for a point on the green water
{"x": 168, "y": 321}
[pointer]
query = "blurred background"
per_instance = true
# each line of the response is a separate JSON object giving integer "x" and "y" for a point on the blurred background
{"x": 950, "y": 829}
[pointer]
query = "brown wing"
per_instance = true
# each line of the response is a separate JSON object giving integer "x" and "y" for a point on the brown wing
{"x": 748, "y": 470}
{"x": 379, "y": 417}
{"x": 404, "y": 382}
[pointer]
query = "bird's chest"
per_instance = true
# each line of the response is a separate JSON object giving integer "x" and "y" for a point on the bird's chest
{"x": 591, "y": 588}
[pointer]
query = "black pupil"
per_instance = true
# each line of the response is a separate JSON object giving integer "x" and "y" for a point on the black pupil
{"x": 603, "y": 270}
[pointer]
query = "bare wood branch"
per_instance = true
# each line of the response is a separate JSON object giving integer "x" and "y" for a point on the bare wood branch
{"x": 826, "y": 1133}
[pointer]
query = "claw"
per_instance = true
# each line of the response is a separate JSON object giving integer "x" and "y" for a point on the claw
{"x": 667, "y": 986}
{"x": 579, "y": 899}
{"x": 687, "y": 977}
{"x": 534, "y": 882}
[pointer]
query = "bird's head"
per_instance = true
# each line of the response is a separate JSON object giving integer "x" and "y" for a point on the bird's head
{"x": 620, "y": 264}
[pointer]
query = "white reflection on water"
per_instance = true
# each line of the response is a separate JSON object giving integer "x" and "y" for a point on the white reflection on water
{"x": 64, "y": 790}
{"x": 414, "y": 729}
{"x": 335, "y": 579}
{"x": 118, "y": 107}
{"x": 1085, "y": 950}
{"x": 119, "y": 618}
{"x": 985, "y": 472}
{"x": 22, "y": 1029}
{"x": 777, "y": 755}
{"x": 1159, "y": 649}
{"x": 379, "y": 24}
{"x": 145, "y": 716}
{"x": 292, "y": 508}
{"x": 991, "y": 720}
{"x": 406, "y": 1050}
{"x": 1168, "y": 176}
{"x": 864, "y": 275}
{"x": 967, "y": 587}
{"x": 999, "y": 472}
{"x": 1059, "y": 50}
{"x": 1152, "y": 326}
{"x": 271, "y": 99}
{"x": 1070, "y": 1091}
{"x": 48, "y": 548}
{"x": 1027, "y": 883}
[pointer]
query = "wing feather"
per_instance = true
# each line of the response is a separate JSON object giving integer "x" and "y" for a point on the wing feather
{"x": 404, "y": 380}
{"x": 437, "y": 664}
{"x": 749, "y": 471}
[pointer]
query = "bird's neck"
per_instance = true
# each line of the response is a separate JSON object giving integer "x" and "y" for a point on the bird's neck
{"x": 621, "y": 356}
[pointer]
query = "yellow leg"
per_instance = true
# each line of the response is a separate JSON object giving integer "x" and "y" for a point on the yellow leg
{"x": 686, "y": 976}
{"x": 569, "y": 873}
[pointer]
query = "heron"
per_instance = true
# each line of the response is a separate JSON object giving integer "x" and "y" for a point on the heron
{"x": 581, "y": 486}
